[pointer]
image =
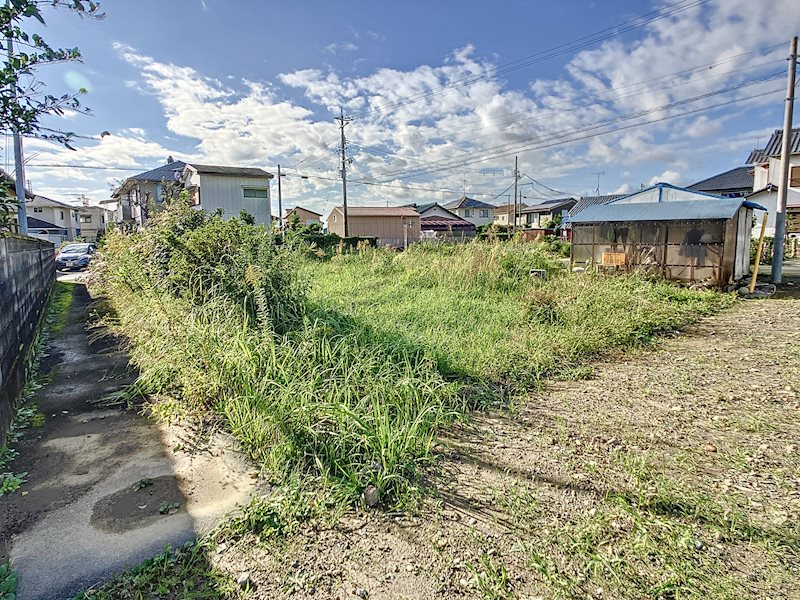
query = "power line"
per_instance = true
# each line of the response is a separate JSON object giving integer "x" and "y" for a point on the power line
{"x": 541, "y": 56}
{"x": 607, "y": 96}
{"x": 670, "y": 85}
{"x": 507, "y": 149}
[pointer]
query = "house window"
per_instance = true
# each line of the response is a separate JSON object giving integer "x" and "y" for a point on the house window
{"x": 794, "y": 177}
{"x": 37, "y": 209}
{"x": 334, "y": 218}
{"x": 255, "y": 193}
{"x": 86, "y": 218}
{"x": 61, "y": 214}
{"x": 484, "y": 213}
{"x": 468, "y": 212}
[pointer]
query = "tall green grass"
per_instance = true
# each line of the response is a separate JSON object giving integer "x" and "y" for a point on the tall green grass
{"x": 476, "y": 311}
{"x": 343, "y": 371}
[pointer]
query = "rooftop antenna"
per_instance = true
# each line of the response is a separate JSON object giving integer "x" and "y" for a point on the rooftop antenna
{"x": 597, "y": 189}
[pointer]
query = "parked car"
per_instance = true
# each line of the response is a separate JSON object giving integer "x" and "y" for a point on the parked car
{"x": 75, "y": 256}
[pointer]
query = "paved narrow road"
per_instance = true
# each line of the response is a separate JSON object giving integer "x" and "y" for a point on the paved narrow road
{"x": 81, "y": 517}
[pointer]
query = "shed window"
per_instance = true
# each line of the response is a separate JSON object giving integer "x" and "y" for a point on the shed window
{"x": 255, "y": 193}
{"x": 794, "y": 177}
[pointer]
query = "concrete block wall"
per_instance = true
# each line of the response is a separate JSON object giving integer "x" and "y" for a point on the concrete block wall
{"x": 27, "y": 272}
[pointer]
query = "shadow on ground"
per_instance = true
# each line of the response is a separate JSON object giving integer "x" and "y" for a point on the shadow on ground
{"x": 105, "y": 487}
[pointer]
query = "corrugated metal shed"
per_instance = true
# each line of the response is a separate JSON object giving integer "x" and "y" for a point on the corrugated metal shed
{"x": 234, "y": 171}
{"x": 687, "y": 210}
{"x": 587, "y": 201}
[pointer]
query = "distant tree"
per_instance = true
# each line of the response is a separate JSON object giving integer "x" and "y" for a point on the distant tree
{"x": 294, "y": 222}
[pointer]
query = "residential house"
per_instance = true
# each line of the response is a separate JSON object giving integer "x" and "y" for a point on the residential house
{"x": 438, "y": 223}
{"x": 141, "y": 194}
{"x": 678, "y": 233}
{"x": 52, "y": 220}
{"x": 734, "y": 183}
{"x": 476, "y": 212}
{"x": 116, "y": 211}
{"x": 396, "y": 226}
{"x": 504, "y": 214}
{"x": 766, "y": 164}
{"x": 307, "y": 217}
{"x": 210, "y": 187}
{"x": 92, "y": 221}
{"x": 542, "y": 216}
{"x": 229, "y": 190}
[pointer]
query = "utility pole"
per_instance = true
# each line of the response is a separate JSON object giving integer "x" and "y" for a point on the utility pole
{"x": 342, "y": 122}
{"x": 516, "y": 179}
{"x": 19, "y": 170}
{"x": 280, "y": 203}
{"x": 783, "y": 183}
{"x": 597, "y": 190}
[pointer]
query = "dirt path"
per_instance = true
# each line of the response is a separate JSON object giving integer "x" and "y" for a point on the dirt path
{"x": 671, "y": 473}
{"x": 81, "y": 518}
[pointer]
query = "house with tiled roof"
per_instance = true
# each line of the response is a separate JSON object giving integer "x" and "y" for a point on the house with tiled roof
{"x": 734, "y": 183}
{"x": 585, "y": 202}
{"x": 542, "y": 215}
{"x": 475, "y": 211}
{"x": 766, "y": 165}
{"x": 440, "y": 224}
{"x": 304, "y": 215}
{"x": 212, "y": 188}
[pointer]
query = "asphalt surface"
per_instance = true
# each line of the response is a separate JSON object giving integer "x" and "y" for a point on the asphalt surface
{"x": 81, "y": 517}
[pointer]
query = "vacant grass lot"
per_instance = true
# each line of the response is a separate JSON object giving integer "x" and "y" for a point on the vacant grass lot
{"x": 338, "y": 375}
{"x": 478, "y": 313}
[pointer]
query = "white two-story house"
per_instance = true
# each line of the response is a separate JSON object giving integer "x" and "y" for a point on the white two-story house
{"x": 476, "y": 212}
{"x": 52, "y": 220}
{"x": 229, "y": 190}
{"x": 766, "y": 163}
{"x": 212, "y": 188}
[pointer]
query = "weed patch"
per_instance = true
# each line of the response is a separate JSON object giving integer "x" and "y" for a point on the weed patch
{"x": 172, "y": 575}
{"x": 26, "y": 414}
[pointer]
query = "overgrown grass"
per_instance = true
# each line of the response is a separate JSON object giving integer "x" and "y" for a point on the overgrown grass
{"x": 476, "y": 311}
{"x": 348, "y": 383}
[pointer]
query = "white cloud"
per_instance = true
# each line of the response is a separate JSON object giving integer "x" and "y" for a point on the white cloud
{"x": 625, "y": 188}
{"x": 667, "y": 177}
{"x": 253, "y": 122}
{"x": 337, "y": 47}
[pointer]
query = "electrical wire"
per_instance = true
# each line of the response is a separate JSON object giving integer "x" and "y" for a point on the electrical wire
{"x": 470, "y": 157}
{"x": 541, "y": 56}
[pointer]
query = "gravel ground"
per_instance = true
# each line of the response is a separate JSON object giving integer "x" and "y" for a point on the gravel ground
{"x": 671, "y": 473}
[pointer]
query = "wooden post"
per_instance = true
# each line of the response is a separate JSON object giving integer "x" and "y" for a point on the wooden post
{"x": 758, "y": 253}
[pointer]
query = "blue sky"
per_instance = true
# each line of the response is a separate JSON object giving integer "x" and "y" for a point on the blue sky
{"x": 258, "y": 85}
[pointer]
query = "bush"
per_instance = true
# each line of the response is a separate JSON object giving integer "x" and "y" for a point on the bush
{"x": 766, "y": 253}
{"x": 215, "y": 313}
